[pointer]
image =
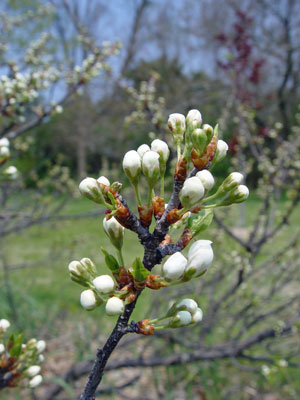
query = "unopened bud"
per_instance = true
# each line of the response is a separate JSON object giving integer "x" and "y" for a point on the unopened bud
{"x": 104, "y": 283}
{"x": 197, "y": 315}
{"x": 33, "y": 370}
{"x": 11, "y": 173}
{"x": 115, "y": 231}
{"x": 4, "y": 142}
{"x": 194, "y": 119}
{"x": 176, "y": 124}
{"x": 142, "y": 150}
{"x": 222, "y": 148}
{"x": 199, "y": 140}
{"x": 182, "y": 318}
{"x": 151, "y": 167}
{"x": 174, "y": 267}
{"x": 200, "y": 256}
{"x": 206, "y": 178}
{"x": 91, "y": 189}
{"x": 240, "y": 194}
{"x": 188, "y": 305}
{"x": 209, "y": 131}
{"x": 2, "y": 348}
{"x": 161, "y": 147}
{"x": 114, "y": 306}
{"x": 232, "y": 181}
{"x": 103, "y": 180}
{"x": 4, "y": 325}
{"x": 40, "y": 346}
{"x": 191, "y": 192}
{"x": 36, "y": 381}
{"x": 132, "y": 166}
{"x": 88, "y": 299}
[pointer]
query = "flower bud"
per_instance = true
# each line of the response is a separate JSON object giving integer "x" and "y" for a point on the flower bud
{"x": 194, "y": 119}
{"x": 221, "y": 151}
{"x": 4, "y": 325}
{"x": 182, "y": 318}
{"x": 103, "y": 180}
{"x": 188, "y": 305}
{"x": 104, "y": 283}
{"x": 11, "y": 172}
{"x": 176, "y": 124}
{"x": 2, "y": 348}
{"x": 191, "y": 192}
{"x": 209, "y": 131}
{"x": 132, "y": 166}
{"x": 88, "y": 265}
{"x": 36, "y": 381}
{"x": 33, "y": 370}
{"x": 91, "y": 189}
{"x": 142, "y": 150}
{"x": 40, "y": 346}
{"x": 114, "y": 306}
{"x": 200, "y": 256}
{"x": 151, "y": 167}
{"x": 88, "y": 299}
{"x": 240, "y": 194}
{"x": 174, "y": 267}
{"x": 4, "y": 142}
{"x": 199, "y": 140}
{"x": 4, "y": 152}
{"x": 197, "y": 315}
{"x": 114, "y": 231}
{"x": 232, "y": 181}
{"x": 161, "y": 147}
{"x": 206, "y": 178}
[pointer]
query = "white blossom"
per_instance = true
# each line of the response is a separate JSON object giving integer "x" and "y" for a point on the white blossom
{"x": 191, "y": 192}
{"x": 4, "y": 325}
{"x": 183, "y": 318}
{"x": 114, "y": 230}
{"x": 103, "y": 180}
{"x": 197, "y": 315}
{"x": 161, "y": 147}
{"x": 176, "y": 123}
{"x": 114, "y": 306}
{"x": 4, "y": 142}
{"x": 36, "y": 381}
{"x": 41, "y": 346}
{"x": 90, "y": 188}
{"x": 200, "y": 256}
{"x": 222, "y": 148}
{"x": 88, "y": 299}
{"x": 206, "y": 178}
{"x": 189, "y": 304}
{"x": 151, "y": 166}
{"x": 104, "y": 283}
{"x": 174, "y": 267}
{"x": 194, "y": 118}
{"x": 132, "y": 165}
{"x": 33, "y": 370}
{"x": 143, "y": 149}
{"x": 240, "y": 194}
{"x": 2, "y": 348}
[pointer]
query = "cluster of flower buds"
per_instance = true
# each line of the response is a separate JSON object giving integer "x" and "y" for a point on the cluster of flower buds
{"x": 181, "y": 314}
{"x": 194, "y": 214}
{"x": 11, "y": 172}
{"x": 20, "y": 363}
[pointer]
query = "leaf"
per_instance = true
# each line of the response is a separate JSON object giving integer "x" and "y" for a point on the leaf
{"x": 139, "y": 272}
{"x": 202, "y": 221}
{"x": 16, "y": 348}
{"x": 111, "y": 262}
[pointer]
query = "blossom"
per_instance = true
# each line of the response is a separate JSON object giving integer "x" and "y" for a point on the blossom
{"x": 194, "y": 118}
{"x": 115, "y": 231}
{"x": 189, "y": 304}
{"x": 174, "y": 267}
{"x": 114, "y": 306}
{"x": 191, "y": 192}
{"x": 200, "y": 256}
{"x": 151, "y": 166}
{"x": 103, "y": 180}
{"x": 104, "y": 283}
{"x": 240, "y": 194}
{"x": 33, "y": 370}
{"x": 206, "y": 178}
{"x": 143, "y": 149}
{"x": 161, "y": 147}
{"x": 232, "y": 181}
{"x": 88, "y": 299}
{"x": 132, "y": 165}
{"x": 36, "y": 381}
{"x": 4, "y": 325}
{"x": 197, "y": 315}
{"x": 89, "y": 187}
{"x": 41, "y": 346}
{"x": 222, "y": 148}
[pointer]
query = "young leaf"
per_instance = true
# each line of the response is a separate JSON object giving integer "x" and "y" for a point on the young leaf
{"x": 139, "y": 272}
{"x": 111, "y": 262}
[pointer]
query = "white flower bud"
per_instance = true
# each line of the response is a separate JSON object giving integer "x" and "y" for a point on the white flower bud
{"x": 2, "y": 348}
{"x": 194, "y": 118}
{"x": 192, "y": 192}
{"x": 132, "y": 165}
{"x": 90, "y": 188}
{"x": 41, "y": 346}
{"x": 11, "y": 172}
{"x": 88, "y": 299}
{"x": 174, "y": 267}
{"x": 115, "y": 231}
{"x": 103, "y": 180}
{"x": 189, "y": 304}
{"x": 232, "y": 181}
{"x": 114, "y": 306}
{"x": 4, "y": 325}
{"x": 265, "y": 370}
{"x": 33, "y": 370}
{"x": 4, "y": 151}
{"x": 200, "y": 256}
{"x": 151, "y": 167}
{"x": 206, "y": 178}
{"x": 104, "y": 283}
{"x": 4, "y": 142}
{"x": 221, "y": 151}
{"x": 176, "y": 123}
{"x": 240, "y": 194}
{"x": 36, "y": 381}
{"x": 41, "y": 358}
{"x": 161, "y": 148}
{"x": 198, "y": 315}
{"x": 183, "y": 318}
{"x": 143, "y": 149}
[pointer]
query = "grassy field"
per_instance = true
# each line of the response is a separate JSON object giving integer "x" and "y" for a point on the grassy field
{"x": 44, "y": 302}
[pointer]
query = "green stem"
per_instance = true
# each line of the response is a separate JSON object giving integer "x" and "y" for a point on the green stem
{"x": 162, "y": 186}
{"x": 149, "y": 196}
{"x": 137, "y": 193}
{"x": 120, "y": 257}
{"x": 178, "y": 151}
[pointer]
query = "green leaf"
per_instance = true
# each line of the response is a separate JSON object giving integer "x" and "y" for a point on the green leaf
{"x": 111, "y": 262}
{"x": 16, "y": 348}
{"x": 201, "y": 222}
{"x": 139, "y": 272}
